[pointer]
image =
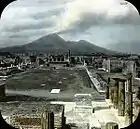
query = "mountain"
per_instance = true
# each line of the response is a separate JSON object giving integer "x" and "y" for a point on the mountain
{"x": 129, "y": 47}
{"x": 54, "y": 43}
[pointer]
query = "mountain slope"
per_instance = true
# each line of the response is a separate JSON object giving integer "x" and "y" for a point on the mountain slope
{"x": 54, "y": 43}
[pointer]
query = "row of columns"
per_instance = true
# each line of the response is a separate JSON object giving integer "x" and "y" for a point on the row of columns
{"x": 121, "y": 99}
{"x": 51, "y": 59}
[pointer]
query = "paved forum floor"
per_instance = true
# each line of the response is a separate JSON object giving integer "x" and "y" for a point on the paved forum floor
{"x": 102, "y": 115}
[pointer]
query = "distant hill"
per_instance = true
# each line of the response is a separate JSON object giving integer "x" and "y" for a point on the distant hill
{"x": 54, "y": 43}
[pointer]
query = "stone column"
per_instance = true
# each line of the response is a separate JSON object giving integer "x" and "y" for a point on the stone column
{"x": 63, "y": 121}
{"x": 111, "y": 92}
{"x": 107, "y": 91}
{"x": 112, "y": 125}
{"x": 121, "y": 99}
{"x": 47, "y": 120}
{"x": 129, "y": 106}
{"x": 116, "y": 91}
{"x": 126, "y": 98}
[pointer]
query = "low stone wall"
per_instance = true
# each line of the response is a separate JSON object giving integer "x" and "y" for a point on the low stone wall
{"x": 92, "y": 80}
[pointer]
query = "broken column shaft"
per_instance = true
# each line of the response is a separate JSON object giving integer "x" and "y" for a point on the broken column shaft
{"x": 47, "y": 120}
{"x": 129, "y": 101}
{"x": 121, "y": 99}
{"x": 116, "y": 91}
{"x": 107, "y": 89}
{"x": 120, "y": 95}
{"x": 111, "y": 93}
{"x": 112, "y": 125}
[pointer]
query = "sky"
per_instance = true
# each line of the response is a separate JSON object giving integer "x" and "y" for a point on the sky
{"x": 102, "y": 22}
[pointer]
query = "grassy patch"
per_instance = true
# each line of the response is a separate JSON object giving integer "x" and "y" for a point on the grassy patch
{"x": 65, "y": 79}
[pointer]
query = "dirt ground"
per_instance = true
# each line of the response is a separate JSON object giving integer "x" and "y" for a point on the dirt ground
{"x": 63, "y": 79}
{"x": 26, "y": 88}
{"x": 69, "y": 81}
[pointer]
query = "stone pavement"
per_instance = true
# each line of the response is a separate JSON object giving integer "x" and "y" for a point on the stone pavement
{"x": 121, "y": 119}
{"x": 106, "y": 114}
{"x": 102, "y": 115}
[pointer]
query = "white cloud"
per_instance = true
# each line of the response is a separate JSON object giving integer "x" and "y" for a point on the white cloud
{"x": 74, "y": 19}
{"x": 105, "y": 35}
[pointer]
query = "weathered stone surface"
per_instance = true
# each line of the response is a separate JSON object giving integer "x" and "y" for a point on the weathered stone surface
{"x": 111, "y": 92}
{"x": 129, "y": 103}
{"x": 121, "y": 99}
{"x": 136, "y": 109}
{"x": 112, "y": 125}
{"x": 47, "y": 120}
{"x": 116, "y": 91}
